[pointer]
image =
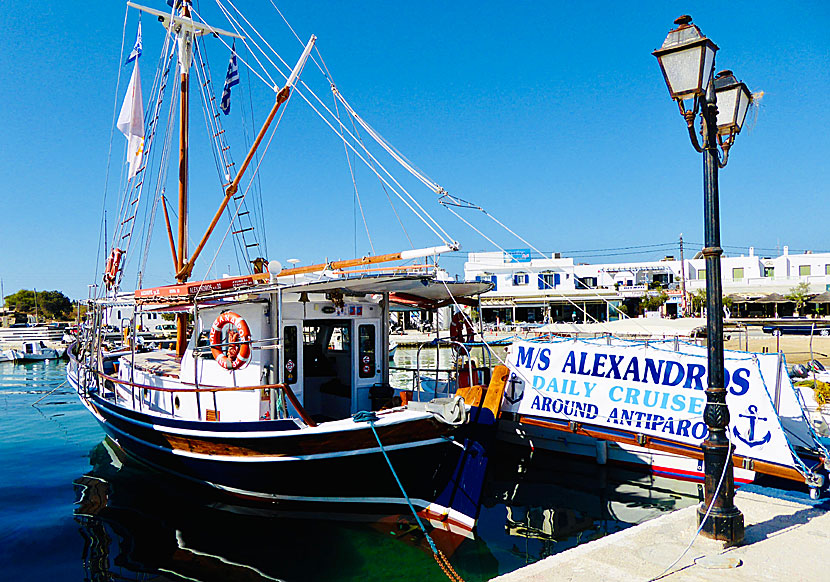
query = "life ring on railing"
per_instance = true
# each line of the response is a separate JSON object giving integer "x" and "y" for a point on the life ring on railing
{"x": 460, "y": 328}
{"x": 238, "y": 343}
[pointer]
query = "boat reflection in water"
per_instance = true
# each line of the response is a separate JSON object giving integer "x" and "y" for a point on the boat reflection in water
{"x": 138, "y": 524}
{"x": 549, "y": 503}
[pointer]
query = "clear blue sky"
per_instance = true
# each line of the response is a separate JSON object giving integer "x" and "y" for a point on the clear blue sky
{"x": 552, "y": 116}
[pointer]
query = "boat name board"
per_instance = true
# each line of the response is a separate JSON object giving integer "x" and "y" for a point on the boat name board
{"x": 187, "y": 289}
{"x": 656, "y": 392}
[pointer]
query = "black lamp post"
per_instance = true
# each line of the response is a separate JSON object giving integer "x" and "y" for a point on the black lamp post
{"x": 687, "y": 59}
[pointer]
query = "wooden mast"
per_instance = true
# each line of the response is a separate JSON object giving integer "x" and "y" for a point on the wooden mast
{"x": 186, "y": 31}
{"x": 185, "y": 55}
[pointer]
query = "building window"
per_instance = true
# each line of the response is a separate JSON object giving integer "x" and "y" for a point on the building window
{"x": 586, "y": 282}
{"x": 738, "y": 274}
{"x": 548, "y": 280}
{"x": 701, "y": 273}
{"x": 804, "y": 270}
{"x": 520, "y": 279}
{"x": 489, "y": 277}
{"x": 827, "y": 269}
{"x": 769, "y": 271}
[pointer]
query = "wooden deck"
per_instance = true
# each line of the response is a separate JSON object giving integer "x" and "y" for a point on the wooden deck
{"x": 163, "y": 363}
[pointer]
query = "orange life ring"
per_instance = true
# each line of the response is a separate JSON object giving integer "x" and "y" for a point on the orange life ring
{"x": 460, "y": 328}
{"x": 238, "y": 352}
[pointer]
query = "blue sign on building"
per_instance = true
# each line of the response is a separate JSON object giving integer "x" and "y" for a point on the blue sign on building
{"x": 518, "y": 255}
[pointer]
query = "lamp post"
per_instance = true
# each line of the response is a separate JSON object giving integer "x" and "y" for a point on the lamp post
{"x": 687, "y": 59}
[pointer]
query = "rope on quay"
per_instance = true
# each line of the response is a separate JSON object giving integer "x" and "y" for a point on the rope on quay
{"x": 443, "y": 562}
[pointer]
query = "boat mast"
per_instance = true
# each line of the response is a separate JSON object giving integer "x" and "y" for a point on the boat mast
{"x": 185, "y": 40}
{"x": 186, "y": 31}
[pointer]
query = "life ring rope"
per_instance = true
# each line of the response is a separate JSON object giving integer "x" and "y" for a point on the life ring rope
{"x": 238, "y": 352}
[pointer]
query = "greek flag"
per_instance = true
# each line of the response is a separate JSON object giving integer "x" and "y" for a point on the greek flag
{"x": 136, "y": 52}
{"x": 231, "y": 80}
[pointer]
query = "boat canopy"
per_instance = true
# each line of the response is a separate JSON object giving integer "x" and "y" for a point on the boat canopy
{"x": 417, "y": 290}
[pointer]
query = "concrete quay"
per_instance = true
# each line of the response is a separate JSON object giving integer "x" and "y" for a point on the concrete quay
{"x": 785, "y": 539}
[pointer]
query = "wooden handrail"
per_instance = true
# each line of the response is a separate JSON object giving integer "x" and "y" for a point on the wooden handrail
{"x": 284, "y": 387}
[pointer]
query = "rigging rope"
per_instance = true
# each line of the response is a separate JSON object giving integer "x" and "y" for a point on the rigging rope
{"x": 102, "y": 237}
{"x": 444, "y": 236}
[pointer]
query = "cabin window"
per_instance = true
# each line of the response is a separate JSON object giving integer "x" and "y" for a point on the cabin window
{"x": 738, "y": 274}
{"x": 366, "y": 350}
{"x": 804, "y": 271}
{"x": 339, "y": 341}
{"x": 289, "y": 336}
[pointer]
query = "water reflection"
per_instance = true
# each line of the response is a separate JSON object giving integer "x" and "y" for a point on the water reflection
{"x": 139, "y": 524}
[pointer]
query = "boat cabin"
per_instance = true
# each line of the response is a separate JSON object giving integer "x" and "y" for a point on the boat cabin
{"x": 327, "y": 342}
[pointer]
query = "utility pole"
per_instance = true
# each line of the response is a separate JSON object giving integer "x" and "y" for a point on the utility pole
{"x": 682, "y": 280}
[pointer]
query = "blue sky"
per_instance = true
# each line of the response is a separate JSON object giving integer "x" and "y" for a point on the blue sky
{"x": 554, "y": 117}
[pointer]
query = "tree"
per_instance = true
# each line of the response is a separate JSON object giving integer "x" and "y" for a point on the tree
{"x": 48, "y": 304}
{"x": 799, "y": 295}
{"x": 699, "y": 301}
{"x": 654, "y": 302}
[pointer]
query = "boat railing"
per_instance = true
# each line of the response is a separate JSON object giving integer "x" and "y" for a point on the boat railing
{"x": 284, "y": 388}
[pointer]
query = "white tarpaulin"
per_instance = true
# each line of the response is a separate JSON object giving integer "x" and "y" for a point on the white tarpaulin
{"x": 654, "y": 390}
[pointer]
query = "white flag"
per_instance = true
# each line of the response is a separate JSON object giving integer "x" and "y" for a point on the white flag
{"x": 131, "y": 122}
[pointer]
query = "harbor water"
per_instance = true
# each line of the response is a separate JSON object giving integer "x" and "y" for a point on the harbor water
{"x": 74, "y": 508}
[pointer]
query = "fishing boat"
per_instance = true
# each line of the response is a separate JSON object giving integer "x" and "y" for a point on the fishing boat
{"x": 641, "y": 404}
{"x": 278, "y": 388}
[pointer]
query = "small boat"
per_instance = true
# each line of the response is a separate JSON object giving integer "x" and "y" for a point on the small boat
{"x": 278, "y": 390}
{"x": 36, "y": 351}
{"x": 8, "y": 355}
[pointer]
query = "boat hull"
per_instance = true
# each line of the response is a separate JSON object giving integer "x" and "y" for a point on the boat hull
{"x": 274, "y": 462}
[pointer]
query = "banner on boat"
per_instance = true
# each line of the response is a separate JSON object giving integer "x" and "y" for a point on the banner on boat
{"x": 643, "y": 389}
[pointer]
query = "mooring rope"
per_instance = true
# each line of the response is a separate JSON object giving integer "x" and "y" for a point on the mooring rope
{"x": 443, "y": 562}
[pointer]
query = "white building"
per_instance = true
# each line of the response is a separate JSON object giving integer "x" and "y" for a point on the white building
{"x": 536, "y": 290}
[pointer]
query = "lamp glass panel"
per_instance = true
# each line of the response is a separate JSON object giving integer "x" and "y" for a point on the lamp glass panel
{"x": 708, "y": 65}
{"x": 727, "y": 107}
{"x": 743, "y": 105}
{"x": 682, "y": 69}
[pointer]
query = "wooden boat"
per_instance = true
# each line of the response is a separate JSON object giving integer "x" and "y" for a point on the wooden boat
{"x": 278, "y": 387}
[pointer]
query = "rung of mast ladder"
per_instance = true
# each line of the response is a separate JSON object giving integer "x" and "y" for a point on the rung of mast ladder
{"x": 134, "y": 202}
{"x": 239, "y": 197}
{"x": 218, "y": 133}
{"x": 226, "y": 148}
{"x": 244, "y": 213}
{"x": 251, "y": 245}
{"x": 242, "y": 230}
{"x": 127, "y": 220}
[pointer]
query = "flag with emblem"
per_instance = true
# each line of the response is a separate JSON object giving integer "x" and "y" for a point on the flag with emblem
{"x": 136, "y": 52}
{"x": 230, "y": 80}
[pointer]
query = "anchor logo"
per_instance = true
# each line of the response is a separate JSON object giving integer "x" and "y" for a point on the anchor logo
{"x": 752, "y": 416}
{"x": 515, "y": 389}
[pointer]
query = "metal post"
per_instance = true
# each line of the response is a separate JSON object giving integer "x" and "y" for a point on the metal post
{"x": 725, "y": 521}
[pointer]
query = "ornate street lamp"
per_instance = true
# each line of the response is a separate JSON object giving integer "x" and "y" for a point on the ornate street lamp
{"x": 687, "y": 59}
